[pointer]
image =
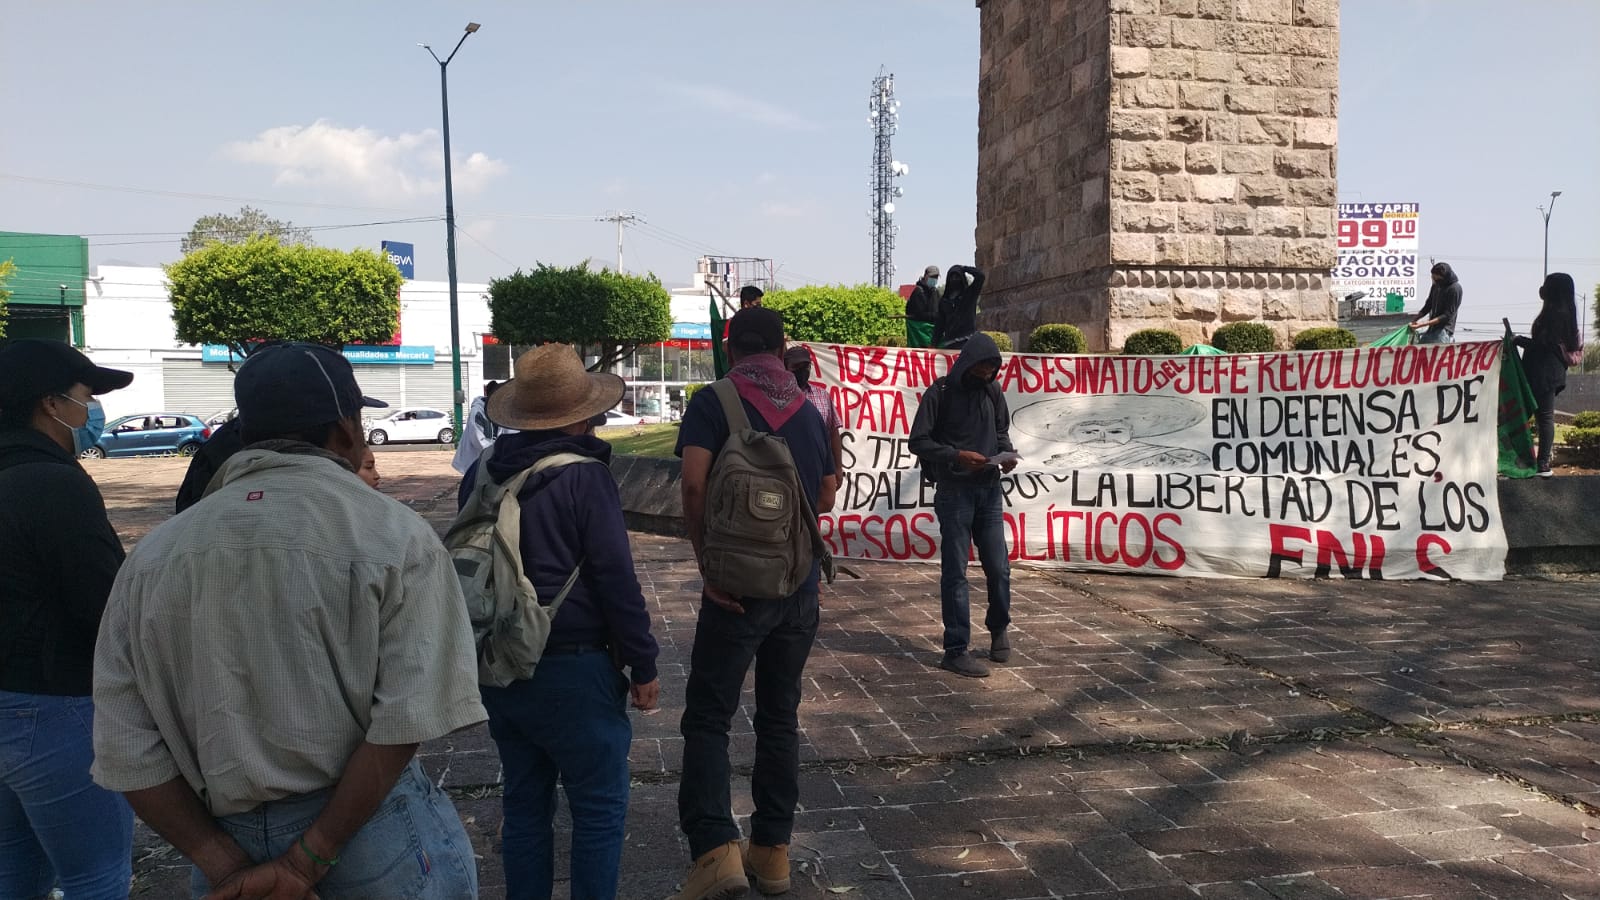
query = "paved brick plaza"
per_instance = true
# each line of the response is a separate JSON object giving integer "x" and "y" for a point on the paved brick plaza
{"x": 1151, "y": 738}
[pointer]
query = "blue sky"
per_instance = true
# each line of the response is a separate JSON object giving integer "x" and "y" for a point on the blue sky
{"x": 737, "y": 128}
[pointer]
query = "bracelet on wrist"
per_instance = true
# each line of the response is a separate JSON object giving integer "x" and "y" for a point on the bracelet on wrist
{"x": 329, "y": 863}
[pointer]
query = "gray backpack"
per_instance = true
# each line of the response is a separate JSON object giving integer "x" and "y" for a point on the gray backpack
{"x": 509, "y": 624}
{"x": 761, "y": 534}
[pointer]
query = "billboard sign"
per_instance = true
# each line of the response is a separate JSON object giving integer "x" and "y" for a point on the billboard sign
{"x": 1377, "y": 252}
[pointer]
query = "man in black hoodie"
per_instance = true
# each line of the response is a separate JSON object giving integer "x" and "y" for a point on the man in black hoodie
{"x": 1438, "y": 315}
{"x": 958, "y": 308}
{"x": 922, "y": 309}
{"x": 961, "y": 425}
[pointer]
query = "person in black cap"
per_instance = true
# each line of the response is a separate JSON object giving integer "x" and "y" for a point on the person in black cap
{"x": 732, "y": 632}
{"x": 272, "y": 658}
{"x": 58, "y": 557}
{"x": 922, "y": 309}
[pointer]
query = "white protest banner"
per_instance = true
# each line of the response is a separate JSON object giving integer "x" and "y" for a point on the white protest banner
{"x": 1377, "y": 252}
{"x": 1370, "y": 463}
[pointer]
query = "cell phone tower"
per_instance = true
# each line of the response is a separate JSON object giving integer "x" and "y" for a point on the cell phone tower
{"x": 883, "y": 114}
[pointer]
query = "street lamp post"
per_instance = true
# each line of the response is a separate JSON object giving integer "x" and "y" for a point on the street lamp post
{"x": 1546, "y": 214}
{"x": 458, "y": 396}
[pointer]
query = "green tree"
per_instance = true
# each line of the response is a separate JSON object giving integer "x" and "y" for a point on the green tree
{"x": 602, "y": 310}
{"x": 837, "y": 313}
{"x": 263, "y": 290}
{"x": 249, "y": 223}
{"x": 7, "y": 269}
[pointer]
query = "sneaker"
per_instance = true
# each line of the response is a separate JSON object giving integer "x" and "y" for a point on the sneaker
{"x": 963, "y": 664}
{"x": 1544, "y": 471}
{"x": 718, "y": 875}
{"x": 999, "y": 647}
{"x": 767, "y": 867}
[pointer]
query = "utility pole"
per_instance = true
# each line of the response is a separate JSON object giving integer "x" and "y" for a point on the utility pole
{"x": 621, "y": 218}
{"x": 1545, "y": 213}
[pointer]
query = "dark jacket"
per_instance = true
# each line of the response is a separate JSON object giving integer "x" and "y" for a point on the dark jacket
{"x": 208, "y": 461}
{"x": 571, "y": 513}
{"x": 958, "y": 308}
{"x": 1444, "y": 302}
{"x": 1544, "y": 357}
{"x": 954, "y": 416}
{"x": 58, "y": 558}
{"x": 923, "y": 304}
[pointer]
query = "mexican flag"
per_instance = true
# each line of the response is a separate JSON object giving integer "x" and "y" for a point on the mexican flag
{"x": 719, "y": 328}
{"x": 1400, "y": 337}
{"x": 1517, "y": 458}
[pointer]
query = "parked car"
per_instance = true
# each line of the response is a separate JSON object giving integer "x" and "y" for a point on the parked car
{"x": 615, "y": 419}
{"x": 217, "y": 420}
{"x": 151, "y": 434}
{"x": 414, "y": 424}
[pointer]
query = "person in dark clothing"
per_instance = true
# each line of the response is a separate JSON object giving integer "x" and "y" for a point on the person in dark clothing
{"x": 732, "y": 632}
{"x": 922, "y": 309}
{"x": 58, "y": 559}
{"x": 1437, "y": 320}
{"x": 958, "y": 308}
{"x": 569, "y": 721}
{"x": 962, "y": 424}
{"x": 207, "y": 461}
{"x": 1545, "y": 355}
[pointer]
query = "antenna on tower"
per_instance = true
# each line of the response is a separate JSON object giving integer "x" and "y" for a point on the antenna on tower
{"x": 883, "y": 115}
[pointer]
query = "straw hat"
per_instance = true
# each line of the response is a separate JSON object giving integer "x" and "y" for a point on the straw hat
{"x": 551, "y": 389}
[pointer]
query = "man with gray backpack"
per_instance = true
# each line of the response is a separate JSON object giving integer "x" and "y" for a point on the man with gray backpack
{"x": 542, "y": 554}
{"x": 757, "y": 468}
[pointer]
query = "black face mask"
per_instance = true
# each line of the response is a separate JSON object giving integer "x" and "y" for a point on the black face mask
{"x": 802, "y": 376}
{"x": 973, "y": 382}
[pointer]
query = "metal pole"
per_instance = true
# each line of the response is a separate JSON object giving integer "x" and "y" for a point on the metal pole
{"x": 458, "y": 396}
{"x": 619, "y": 245}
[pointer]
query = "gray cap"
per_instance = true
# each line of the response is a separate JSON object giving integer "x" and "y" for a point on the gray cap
{"x": 930, "y": 272}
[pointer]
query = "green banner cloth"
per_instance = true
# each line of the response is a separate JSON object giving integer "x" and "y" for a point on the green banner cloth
{"x": 1517, "y": 458}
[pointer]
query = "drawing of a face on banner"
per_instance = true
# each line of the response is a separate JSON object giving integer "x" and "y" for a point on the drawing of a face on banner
{"x": 1114, "y": 432}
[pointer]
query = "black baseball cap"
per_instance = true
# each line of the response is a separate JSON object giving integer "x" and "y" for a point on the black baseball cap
{"x": 284, "y": 387}
{"x": 31, "y": 368}
{"x": 755, "y": 329}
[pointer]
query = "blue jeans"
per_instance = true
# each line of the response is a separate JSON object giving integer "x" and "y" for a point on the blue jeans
{"x": 56, "y": 824}
{"x": 413, "y": 847}
{"x": 968, "y": 514}
{"x": 776, "y": 635}
{"x": 1437, "y": 336}
{"x": 569, "y": 722}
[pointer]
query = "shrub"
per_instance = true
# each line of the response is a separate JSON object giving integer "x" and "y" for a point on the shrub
{"x": 688, "y": 393}
{"x": 1591, "y": 357}
{"x": 1244, "y": 337}
{"x": 1586, "y": 419}
{"x": 1153, "y": 342}
{"x": 891, "y": 340}
{"x": 837, "y": 313}
{"x": 1057, "y": 339}
{"x": 1001, "y": 340}
{"x": 1325, "y": 339}
{"x": 1585, "y": 445}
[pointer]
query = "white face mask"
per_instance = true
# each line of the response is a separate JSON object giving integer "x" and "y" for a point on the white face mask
{"x": 94, "y": 425}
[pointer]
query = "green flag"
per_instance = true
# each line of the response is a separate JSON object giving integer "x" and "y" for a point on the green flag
{"x": 719, "y": 353}
{"x": 1400, "y": 337}
{"x": 1516, "y": 408}
{"x": 1203, "y": 350}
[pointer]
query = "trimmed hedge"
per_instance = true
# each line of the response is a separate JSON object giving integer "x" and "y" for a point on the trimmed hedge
{"x": 1058, "y": 338}
{"x": 1325, "y": 339}
{"x": 1001, "y": 340}
{"x": 1586, "y": 419}
{"x": 1153, "y": 342}
{"x": 1244, "y": 337}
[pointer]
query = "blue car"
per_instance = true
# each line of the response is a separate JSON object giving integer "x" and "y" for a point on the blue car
{"x": 151, "y": 434}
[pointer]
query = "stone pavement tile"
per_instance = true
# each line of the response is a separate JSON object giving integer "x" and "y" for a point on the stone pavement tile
{"x": 950, "y": 860}
{"x": 1331, "y": 842}
{"x": 1008, "y": 884}
{"x": 1497, "y": 880}
{"x": 1550, "y": 869}
{"x": 1234, "y": 890}
{"x": 1126, "y": 864}
{"x": 1418, "y": 880}
{"x": 1299, "y": 887}
{"x": 1586, "y": 856}
{"x": 1190, "y": 839}
{"x": 1062, "y": 868}
{"x": 1467, "y": 843}
{"x": 1523, "y": 827}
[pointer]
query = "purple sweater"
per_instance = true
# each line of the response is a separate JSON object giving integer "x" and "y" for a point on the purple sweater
{"x": 570, "y": 513}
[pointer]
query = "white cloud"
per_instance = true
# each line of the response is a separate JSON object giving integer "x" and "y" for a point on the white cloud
{"x": 778, "y": 210}
{"x": 324, "y": 154}
{"x": 732, "y": 103}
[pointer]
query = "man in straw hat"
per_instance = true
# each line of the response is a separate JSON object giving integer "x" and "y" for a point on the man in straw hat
{"x": 569, "y": 722}
{"x": 733, "y": 632}
{"x": 271, "y": 658}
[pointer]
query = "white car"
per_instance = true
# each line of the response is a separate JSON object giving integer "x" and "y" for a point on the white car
{"x": 615, "y": 419}
{"x": 415, "y": 424}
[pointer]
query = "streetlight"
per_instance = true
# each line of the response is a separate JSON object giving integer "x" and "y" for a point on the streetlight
{"x": 458, "y": 398}
{"x": 1546, "y": 214}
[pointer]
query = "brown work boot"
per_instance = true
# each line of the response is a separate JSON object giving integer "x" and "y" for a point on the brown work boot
{"x": 717, "y": 875}
{"x": 767, "y": 866}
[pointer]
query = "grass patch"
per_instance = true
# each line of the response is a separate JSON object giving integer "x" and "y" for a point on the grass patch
{"x": 642, "y": 440}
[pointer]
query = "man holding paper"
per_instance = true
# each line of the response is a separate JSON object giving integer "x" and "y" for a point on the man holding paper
{"x": 962, "y": 435}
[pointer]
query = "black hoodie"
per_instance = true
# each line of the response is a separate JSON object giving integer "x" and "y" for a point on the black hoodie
{"x": 923, "y": 304}
{"x": 1444, "y": 301}
{"x": 571, "y": 513}
{"x": 954, "y": 416}
{"x": 58, "y": 558}
{"x": 958, "y": 308}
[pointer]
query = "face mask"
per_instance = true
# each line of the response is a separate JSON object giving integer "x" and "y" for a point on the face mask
{"x": 88, "y": 434}
{"x": 973, "y": 382}
{"x": 933, "y": 282}
{"x": 802, "y": 377}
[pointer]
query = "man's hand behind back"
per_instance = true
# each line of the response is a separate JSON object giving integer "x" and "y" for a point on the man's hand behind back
{"x": 278, "y": 879}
